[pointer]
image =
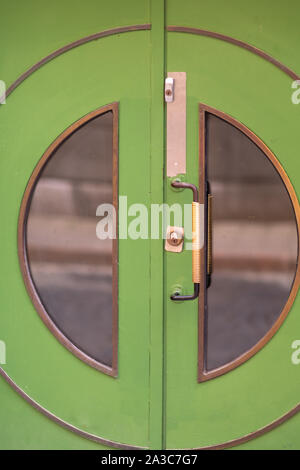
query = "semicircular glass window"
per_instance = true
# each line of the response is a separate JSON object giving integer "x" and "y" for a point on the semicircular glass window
{"x": 73, "y": 271}
{"x": 254, "y": 243}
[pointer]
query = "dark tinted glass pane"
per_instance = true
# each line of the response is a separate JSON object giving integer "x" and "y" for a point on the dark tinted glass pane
{"x": 254, "y": 243}
{"x": 72, "y": 268}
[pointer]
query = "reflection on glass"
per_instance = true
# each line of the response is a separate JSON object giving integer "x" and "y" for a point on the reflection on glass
{"x": 254, "y": 243}
{"x": 71, "y": 268}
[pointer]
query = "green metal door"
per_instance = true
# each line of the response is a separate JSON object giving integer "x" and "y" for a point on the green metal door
{"x": 229, "y": 377}
{"x": 97, "y": 86}
{"x": 202, "y": 373}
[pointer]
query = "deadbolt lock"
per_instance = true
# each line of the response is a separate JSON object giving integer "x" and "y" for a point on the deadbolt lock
{"x": 174, "y": 239}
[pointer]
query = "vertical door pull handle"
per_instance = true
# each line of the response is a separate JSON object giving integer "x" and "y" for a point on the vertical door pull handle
{"x": 209, "y": 268}
{"x": 196, "y": 241}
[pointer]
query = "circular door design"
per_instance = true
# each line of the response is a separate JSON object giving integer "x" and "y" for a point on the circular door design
{"x": 248, "y": 170}
{"x": 110, "y": 408}
{"x": 64, "y": 167}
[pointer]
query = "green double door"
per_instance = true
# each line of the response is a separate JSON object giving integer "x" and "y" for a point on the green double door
{"x": 228, "y": 362}
{"x": 94, "y": 336}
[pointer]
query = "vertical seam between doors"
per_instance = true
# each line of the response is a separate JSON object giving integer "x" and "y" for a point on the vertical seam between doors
{"x": 157, "y": 64}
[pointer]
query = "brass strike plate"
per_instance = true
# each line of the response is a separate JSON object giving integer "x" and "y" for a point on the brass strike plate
{"x": 174, "y": 239}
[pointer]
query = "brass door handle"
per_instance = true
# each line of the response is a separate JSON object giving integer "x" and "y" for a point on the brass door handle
{"x": 196, "y": 241}
{"x": 209, "y": 268}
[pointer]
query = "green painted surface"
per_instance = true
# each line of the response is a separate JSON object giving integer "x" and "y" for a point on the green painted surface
{"x": 22, "y": 427}
{"x": 284, "y": 437}
{"x": 267, "y": 24}
{"x": 35, "y": 28}
{"x": 156, "y": 404}
{"x": 253, "y": 395}
{"x": 129, "y": 68}
{"x": 112, "y": 69}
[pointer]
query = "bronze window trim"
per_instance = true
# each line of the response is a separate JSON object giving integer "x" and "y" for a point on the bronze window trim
{"x": 224, "y": 445}
{"x": 65, "y": 424}
{"x": 252, "y": 435}
{"x": 203, "y": 374}
{"x": 68, "y": 47}
{"x": 22, "y": 251}
{"x": 236, "y": 42}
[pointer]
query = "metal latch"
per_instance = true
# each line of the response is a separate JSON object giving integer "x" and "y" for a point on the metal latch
{"x": 169, "y": 90}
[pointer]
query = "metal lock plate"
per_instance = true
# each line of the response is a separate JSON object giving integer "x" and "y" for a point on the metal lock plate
{"x": 176, "y": 123}
{"x": 174, "y": 239}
